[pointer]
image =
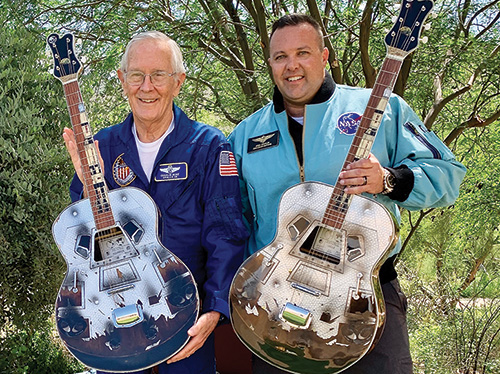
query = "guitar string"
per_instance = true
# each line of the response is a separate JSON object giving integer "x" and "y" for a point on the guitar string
{"x": 74, "y": 98}
{"x": 335, "y": 213}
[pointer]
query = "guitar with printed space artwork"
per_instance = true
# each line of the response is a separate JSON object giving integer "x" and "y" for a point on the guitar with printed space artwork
{"x": 311, "y": 301}
{"x": 126, "y": 302}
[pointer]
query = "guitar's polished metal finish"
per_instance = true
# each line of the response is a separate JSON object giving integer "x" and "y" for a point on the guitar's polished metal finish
{"x": 128, "y": 311}
{"x": 315, "y": 308}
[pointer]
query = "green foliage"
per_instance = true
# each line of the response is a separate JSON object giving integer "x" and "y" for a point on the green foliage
{"x": 463, "y": 340}
{"x": 39, "y": 352}
{"x": 33, "y": 177}
{"x": 451, "y": 254}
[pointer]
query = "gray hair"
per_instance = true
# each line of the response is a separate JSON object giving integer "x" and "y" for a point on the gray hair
{"x": 176, "y": 57}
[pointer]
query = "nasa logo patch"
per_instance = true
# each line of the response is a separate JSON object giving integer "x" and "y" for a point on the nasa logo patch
{"x": 348, "y": 123}
{"x": 122, "y": 174}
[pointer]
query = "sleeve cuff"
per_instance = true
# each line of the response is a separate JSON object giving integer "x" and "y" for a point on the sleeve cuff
{"x": 404, "y": 183}
{"x": 217, "y": 305}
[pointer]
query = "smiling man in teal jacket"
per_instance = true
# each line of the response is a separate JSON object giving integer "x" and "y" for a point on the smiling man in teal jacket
{"x": 305, "y": 133}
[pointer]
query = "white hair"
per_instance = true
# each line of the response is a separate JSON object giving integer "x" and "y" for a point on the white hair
{"x": 176, "y": 56}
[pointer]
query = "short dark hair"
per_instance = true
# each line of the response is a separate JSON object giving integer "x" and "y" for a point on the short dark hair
{"x": 296, "y": 19}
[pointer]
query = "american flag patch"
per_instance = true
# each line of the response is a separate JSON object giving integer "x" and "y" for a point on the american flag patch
{"x": 227, "y": 165}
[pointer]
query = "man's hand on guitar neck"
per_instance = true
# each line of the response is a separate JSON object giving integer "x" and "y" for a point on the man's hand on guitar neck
{"x": 69, "y": 140}
{"x": 366, "y": 175}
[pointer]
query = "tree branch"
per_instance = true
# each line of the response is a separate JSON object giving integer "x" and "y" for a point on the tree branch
{"x": 473, "y": 121}
{"x": 440, "y": 103}
{"x": 332, "y": 57}
{"x": 364, "y": 39}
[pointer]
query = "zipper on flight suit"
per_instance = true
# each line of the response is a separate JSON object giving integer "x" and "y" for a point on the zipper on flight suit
{"x": 302, "y": 173}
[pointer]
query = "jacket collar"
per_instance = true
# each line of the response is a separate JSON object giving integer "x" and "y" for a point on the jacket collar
{"x": 180, "y": 132}
{"x": 324, "y": 93}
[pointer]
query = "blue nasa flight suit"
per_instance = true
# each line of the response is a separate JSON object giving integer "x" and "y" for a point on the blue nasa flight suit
{"x": 200, "y": 210}
{"x": 273, "y": 152}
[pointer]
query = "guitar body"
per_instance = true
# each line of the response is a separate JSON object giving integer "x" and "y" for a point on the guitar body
{"x": 129, "y": 308}
{"x": 311, "y": 301}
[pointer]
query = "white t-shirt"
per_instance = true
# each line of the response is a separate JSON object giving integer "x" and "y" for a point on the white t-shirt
{"x": 148, "y": 151}
{"x": 299, "y": 120}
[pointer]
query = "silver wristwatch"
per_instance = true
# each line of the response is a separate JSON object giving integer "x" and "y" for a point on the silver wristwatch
{"x": 389, "y": 182}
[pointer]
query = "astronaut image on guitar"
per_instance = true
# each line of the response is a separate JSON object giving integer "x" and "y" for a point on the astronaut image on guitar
{"x": 154, "y": 235}
{"x": 323, "y": 171}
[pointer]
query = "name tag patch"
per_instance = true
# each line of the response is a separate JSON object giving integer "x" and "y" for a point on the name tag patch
{"x": 172, "y": 172}
{"x": 265, "y": 141}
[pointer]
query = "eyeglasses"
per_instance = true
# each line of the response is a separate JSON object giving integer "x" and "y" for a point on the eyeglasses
{"x": 158, "y": 78}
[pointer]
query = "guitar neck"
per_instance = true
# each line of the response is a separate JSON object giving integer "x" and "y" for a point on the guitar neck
{"x": 365, "y": 135}
{"x": 93, "y": 177}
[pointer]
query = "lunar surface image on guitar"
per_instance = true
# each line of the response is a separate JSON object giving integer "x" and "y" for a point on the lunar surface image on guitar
{"x": 311, "y": 301}
{"x": 126, "y": 302}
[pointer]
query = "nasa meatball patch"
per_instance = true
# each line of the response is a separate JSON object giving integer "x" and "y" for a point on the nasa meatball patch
{"x": 348, "y": 123}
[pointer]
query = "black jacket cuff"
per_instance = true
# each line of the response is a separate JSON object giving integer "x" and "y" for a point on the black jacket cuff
{"x": 404, "y": 181}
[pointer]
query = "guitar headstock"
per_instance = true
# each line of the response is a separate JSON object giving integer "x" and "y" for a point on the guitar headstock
{"x": 66, "y": 65}
{"x": 405, "y": 33}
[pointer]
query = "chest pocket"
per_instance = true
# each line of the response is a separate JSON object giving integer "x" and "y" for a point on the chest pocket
{"x": 172, "y": 192}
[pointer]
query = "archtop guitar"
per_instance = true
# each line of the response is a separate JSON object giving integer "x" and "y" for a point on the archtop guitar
{"x": 126, "y": 302}
{"x": 311, "y": 301}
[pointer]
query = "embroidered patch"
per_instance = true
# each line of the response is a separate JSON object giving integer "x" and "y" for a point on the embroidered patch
{"x": 348, "y": 123}
{"x": 172, "y": 172}
{"x": 227, "y": 164}
{"x": 122, "y": 174}
{"x": 265, "y": 141}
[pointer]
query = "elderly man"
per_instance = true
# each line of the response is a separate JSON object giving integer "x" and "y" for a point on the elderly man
{"x": 309, "y": 127}
{"x": 200, "y": 207}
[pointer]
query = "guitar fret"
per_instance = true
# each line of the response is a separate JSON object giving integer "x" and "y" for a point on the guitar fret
{"x": 362, "y": 142}
{"x": 94, "y": 182}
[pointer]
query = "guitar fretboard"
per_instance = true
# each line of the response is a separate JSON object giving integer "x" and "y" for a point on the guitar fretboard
{"x": 365, "y": 135}
{"x": 93, "y": 177}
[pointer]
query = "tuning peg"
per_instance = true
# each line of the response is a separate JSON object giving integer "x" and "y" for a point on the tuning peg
{"x": 394, "y": 19}
{"x": 397, "y": 6}
{"x": 427, "y": 26}
{"x": 433, "y": 15}
{"x": 424, "y": 39}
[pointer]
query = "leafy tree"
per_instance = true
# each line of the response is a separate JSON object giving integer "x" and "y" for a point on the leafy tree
{"x": 453, "y": 83}
{"x": 33, "y": 177}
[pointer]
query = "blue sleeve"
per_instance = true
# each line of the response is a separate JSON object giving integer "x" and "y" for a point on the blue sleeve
{"x": 223, "y": 232}
{"x": 248, "y": 216}
{"x": 75, "y": 189}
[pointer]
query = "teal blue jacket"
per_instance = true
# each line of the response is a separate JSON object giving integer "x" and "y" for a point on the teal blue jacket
{"x": 267, "y": 160}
